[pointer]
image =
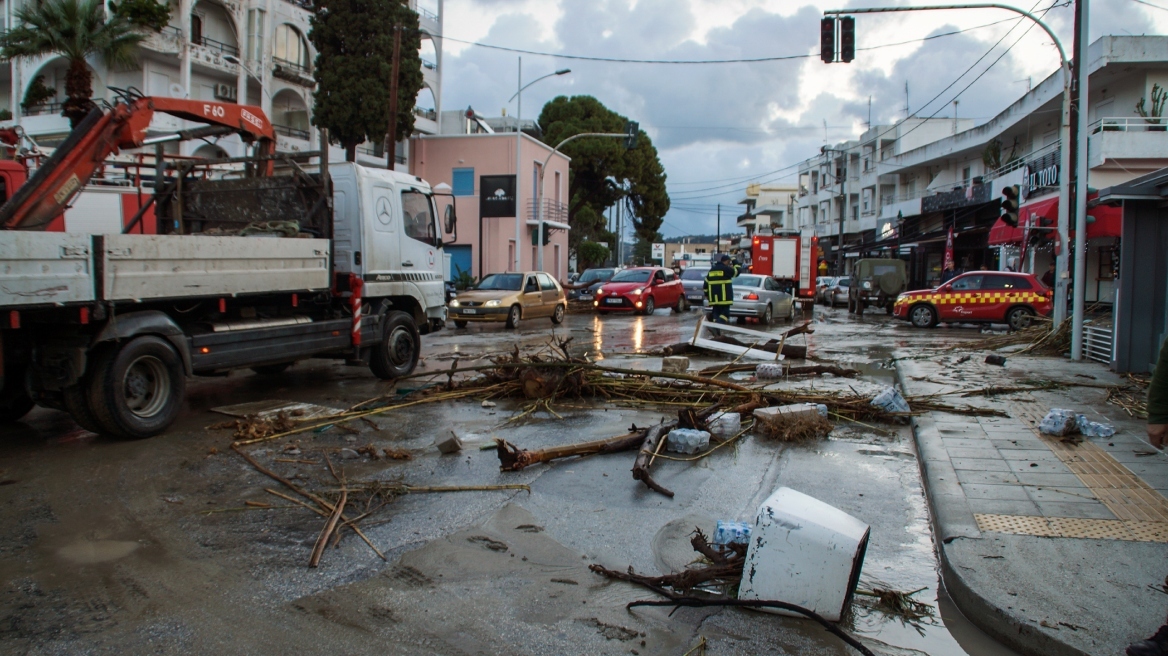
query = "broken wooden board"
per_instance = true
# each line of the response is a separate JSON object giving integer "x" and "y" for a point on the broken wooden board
{"x": 267, "y": 408}
{"x": 705, "y": 333}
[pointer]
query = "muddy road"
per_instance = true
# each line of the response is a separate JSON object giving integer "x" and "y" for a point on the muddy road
{"x": 152, "y": 546}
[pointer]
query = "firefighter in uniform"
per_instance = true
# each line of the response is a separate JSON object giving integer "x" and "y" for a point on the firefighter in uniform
{"x": 719, "y": 291}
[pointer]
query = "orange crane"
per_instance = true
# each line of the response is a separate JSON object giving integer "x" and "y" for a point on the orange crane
{"x": 104, "y": 133}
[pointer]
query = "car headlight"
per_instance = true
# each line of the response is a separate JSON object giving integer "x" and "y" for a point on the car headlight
{"x": 867, "y": 284}
{"x": 454, "y": 303}
{"x": 637, "y": 291}
{"x": 491, "y": 304}
{"x": 599, "y": 290}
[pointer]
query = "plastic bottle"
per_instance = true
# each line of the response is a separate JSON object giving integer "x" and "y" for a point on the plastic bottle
{"x": 687, "y": 440}
{"x": 732, "y": 532}
{"x": 768, "y": 371}
{"x": 1093, "y": 428}
{"x": 1059, "y": 422}
{"x": 725, "y": 424}
{"x": 890, "y": 400}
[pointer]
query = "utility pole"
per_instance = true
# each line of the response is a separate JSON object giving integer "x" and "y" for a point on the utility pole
{"x": 843, "y": 179}
{"x": 391, "y": 136}
{"x": 1079, "y": 141}
{"x": 718, "y": 235}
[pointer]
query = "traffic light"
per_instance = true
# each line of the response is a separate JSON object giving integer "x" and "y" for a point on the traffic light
{"x": 632, "y": 129}
{"x": 847, "y": 39}
{"x": 1010, "y": 205}
{"x": 547, "y": 234}
{"x": 827, "y": 39}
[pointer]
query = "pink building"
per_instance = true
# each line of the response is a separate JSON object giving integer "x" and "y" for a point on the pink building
{"x": 461, "y": 161}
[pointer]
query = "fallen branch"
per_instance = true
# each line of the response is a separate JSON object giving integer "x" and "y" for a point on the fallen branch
{"x": 512, "y": 458}
{"x": 654, "y": 438}
{"x": 329, "y": 527}
{"x": 807, "y": 370}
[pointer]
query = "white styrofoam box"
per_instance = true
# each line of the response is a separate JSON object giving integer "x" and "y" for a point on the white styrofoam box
{"x": 781, "y": 413}
{"x": 804, "y": 552}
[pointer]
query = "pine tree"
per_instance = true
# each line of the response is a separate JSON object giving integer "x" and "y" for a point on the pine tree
{"x": 354, "y": 63}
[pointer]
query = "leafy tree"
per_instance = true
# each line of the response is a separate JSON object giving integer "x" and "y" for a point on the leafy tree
{"x": 37, "y": 93}
{"x": 74, "y": 29}
{"x": 354, "y": 64}
{"x": 591, "y": 254}
{"x": 603, "y": 171}
{"x": 148, "y": 14}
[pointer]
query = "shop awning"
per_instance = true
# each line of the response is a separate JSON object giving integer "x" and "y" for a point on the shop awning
{"x": 1102, "y": 221}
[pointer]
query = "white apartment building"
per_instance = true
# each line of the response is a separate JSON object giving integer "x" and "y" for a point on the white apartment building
{"x": 770, "y": 209}
{"x": 906, "y": 185}
{"x": 247, "y": 51}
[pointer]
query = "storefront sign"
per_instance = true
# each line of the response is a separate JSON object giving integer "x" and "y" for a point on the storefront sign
{"x": 1040, "y": 174}
{"x": 496, "y": 195}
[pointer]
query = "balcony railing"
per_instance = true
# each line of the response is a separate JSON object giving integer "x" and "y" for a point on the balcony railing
{"x": 171, "y": 31}
{"x": 430, "y": 65}
{"x": 379, "y": 152}
{"x": 550, "y": 210}
{"x": 303, "y": 4}
{"x": 427, "y": 14}
{"x": 1129, "y": 124}
{"x": 291, "y": 66}
{"x": 426, "y": 113}
{"x": 288, "y": 131}
{"x": 44, "y": 109}
{"x": 217, "y": 46}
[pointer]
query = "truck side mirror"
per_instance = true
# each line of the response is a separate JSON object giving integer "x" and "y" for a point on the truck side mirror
{"x": 450, "y": 220}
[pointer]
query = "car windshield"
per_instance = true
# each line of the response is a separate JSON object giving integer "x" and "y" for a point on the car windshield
{"x": 881, "y": 269}
{"x": 592, "y": 275}
{"x": 633, "y": 275}
{"x": 843, "y": 282}
{"x": 694, "y": 274}
{"x": 747, "y": 281}
{"x": 511, "y": 282}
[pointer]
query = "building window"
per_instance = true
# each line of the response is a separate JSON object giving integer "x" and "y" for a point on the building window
{"x": 965, "y": 174}
{"x": 196, "y": 29}
{"x": 463, "y": 182}
{"x": 255, "y": 34}
{"x": 291, "y": 48}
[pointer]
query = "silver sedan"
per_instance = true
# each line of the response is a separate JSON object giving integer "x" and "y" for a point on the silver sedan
{"x": 760, "y": 297}
{"x": 691, "y": 280}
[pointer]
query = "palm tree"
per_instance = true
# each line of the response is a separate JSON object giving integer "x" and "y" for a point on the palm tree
{"x": 76, "y": 30}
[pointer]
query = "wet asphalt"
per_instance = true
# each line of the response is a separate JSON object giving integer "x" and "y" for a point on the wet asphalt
{"x": 151, "y": 547}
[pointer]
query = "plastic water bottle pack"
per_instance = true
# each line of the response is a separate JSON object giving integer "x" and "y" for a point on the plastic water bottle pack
{"x": 1093, "y": 428}
{"x": 726, "y": 424}
{"x": 1059, "y": 422}
{"x": 732, "y": 533}
{"x": 768, "y": 371}
{"x": 890, "y": 400}
{"x": 687, "y": 440}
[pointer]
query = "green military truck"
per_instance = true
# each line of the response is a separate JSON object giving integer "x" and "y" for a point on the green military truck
{"x": 876, "y": 282}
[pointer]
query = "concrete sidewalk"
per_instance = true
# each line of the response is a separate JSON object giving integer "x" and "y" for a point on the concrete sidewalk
{"x": 1051, "y": 547}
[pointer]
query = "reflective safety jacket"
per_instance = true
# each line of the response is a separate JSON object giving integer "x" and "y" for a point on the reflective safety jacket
{"x": 719, "y": 291}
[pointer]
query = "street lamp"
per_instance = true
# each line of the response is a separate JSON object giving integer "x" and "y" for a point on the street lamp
{"x": 518, "y": 148}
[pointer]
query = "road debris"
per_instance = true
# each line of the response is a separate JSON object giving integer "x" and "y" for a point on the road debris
{"x": 675, "y": 364}
{"x": 727, "y": 533}
{"x": 448, "y": 445}
{"x": 999, "y": 360}
{"x": 687, "y": 440}
{"x": 654, "y": 438}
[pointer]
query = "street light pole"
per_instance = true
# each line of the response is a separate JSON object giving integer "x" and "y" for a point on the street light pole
{"x": 518, "y": 158}
{"x": 1060, "y": 293}
{"x": 543, "y": 170}
{"x": 1080, "y": 286}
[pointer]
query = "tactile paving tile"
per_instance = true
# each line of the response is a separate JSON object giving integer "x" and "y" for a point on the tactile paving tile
{"x": 1070, "y": 527}
{"x": 1124, "y": 493}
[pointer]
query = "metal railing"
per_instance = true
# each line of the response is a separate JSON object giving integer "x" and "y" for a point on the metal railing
{"x": 171, "y": 31}
{"x": 291, "y": 65}
{"x": 216, "y": 46}
{"x": 424, "y": 13}
{"x": 1018, "y": 163}
{"x": 288, "y": 131}
{"x": 44, "y": 109}
{"x": 1097, "y": 341}
{"x": 429, "y": 64}
{"x": 550, "y": 210}
{"x": 1128, "y": 124}
{"x": 426, "y": 113}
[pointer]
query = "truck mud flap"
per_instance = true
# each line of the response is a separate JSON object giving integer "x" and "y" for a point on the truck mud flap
{"x": 212, "y": 352}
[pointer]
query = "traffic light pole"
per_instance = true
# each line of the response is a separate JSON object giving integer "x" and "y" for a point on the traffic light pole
{"x": 539, "y": 198}
{"x": 1064, "y": 212}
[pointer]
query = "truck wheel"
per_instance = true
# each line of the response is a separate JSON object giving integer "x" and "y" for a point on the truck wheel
{"x": 459, "y": 323}
{"x": 558, "y": 314}
{"x": 137, "y": 389}
{"x": 768, "y": 315}
{"x": 15, "y": 402}
{"x": 922, "y": 316}
{"x": 272, "y": 369}
{"x": 400, "y": 346}
{"x": 1019, "y": 318}
{"x": 860, "y": 305}
{"x": 76, "y": 400}
{"x": 513, "y": 316}
{"x": 851, "y": 304}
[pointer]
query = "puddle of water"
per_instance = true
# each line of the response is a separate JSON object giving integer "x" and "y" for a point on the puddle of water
{"x": 90, "y": 552}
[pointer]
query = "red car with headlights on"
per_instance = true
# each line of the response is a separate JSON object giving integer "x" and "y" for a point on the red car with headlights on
{"x": 641, "y": 290}
{"x": 978, "y": 297}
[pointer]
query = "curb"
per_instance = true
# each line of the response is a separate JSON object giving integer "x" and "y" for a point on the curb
{"x": 953, "y": 519}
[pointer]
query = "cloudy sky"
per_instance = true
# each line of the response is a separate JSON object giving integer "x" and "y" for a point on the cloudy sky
{"x": 718, "y": 126}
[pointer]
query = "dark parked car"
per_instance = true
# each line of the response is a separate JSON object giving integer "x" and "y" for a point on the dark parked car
{"x": 595, "y": 278}
{"x": 692, "y": 279}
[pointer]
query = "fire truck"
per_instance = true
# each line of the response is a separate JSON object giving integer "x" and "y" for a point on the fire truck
{"x": 340, "y": 261}
{"x": 789, "y": 257}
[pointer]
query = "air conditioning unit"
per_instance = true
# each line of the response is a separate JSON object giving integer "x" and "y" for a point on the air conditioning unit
{"x": 225, "y": 92}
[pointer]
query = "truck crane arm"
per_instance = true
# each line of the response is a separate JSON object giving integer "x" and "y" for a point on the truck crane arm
{"x": 101, "y": 134}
